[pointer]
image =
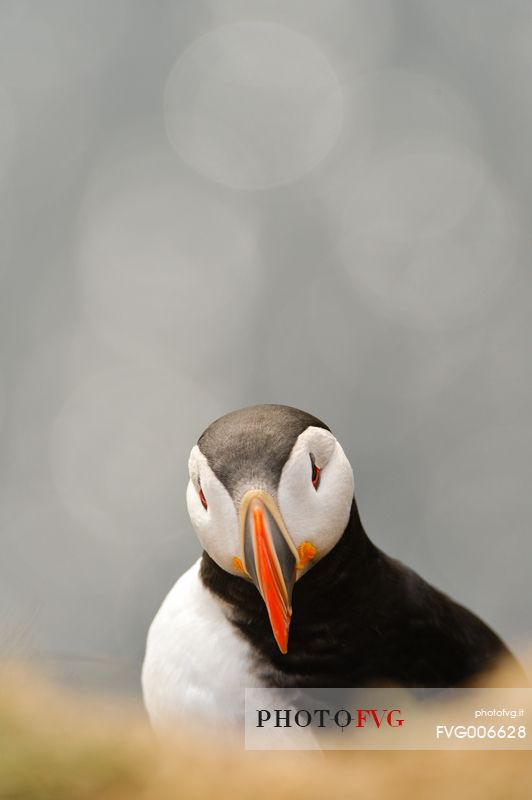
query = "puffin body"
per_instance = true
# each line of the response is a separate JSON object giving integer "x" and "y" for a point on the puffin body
{"x": 196, "y": 662}
{"x": 290, "y": 591}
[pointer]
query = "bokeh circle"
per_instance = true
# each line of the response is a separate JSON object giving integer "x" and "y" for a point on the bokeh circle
{"x": 253, "y": 105}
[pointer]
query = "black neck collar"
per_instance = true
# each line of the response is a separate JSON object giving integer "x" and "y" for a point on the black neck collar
{"x": 330, "y": 591}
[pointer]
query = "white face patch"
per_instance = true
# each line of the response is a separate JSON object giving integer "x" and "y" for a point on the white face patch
{"x": 318, "y": 516}
{"x": 217, "y": 525}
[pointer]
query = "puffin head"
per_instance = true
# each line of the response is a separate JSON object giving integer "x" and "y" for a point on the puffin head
{"x": 270, "y": 493}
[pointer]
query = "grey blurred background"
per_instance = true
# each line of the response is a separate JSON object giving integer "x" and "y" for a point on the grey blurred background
{"x": 206, "y": 205}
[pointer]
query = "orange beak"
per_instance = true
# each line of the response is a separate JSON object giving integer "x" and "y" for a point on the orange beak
{"x": 270, "y": 560}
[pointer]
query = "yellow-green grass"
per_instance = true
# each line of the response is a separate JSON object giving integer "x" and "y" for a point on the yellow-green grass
{"x": 57, "y": 746}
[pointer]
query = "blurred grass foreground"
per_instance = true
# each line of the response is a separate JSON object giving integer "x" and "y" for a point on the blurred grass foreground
{"x": 58, "y": 745}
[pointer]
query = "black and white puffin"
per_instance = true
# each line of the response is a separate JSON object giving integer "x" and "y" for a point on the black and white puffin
{"x": 290, "y": 591}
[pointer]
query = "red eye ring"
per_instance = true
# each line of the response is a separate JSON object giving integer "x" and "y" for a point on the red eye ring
{"x": 315, "y": 474}
{"x": 202, "y": 498}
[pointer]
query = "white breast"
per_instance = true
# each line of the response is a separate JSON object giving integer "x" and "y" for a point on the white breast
{"x": 196, "y": 663}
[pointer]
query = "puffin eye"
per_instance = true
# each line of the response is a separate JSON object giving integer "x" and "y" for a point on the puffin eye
{"x": 315, "y": 473}
{"x": 202, "y": 498}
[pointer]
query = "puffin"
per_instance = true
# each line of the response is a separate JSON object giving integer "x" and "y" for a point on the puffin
{"x": 290, "y": 592}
